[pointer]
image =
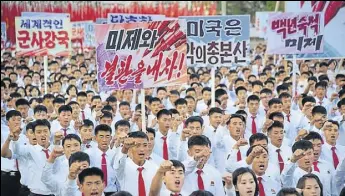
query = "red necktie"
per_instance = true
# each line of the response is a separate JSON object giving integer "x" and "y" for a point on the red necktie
{"x": 253, "y": 125}
{"x": 104, "y": 169}
{"x": 141, "y": 186}
{"x": 280, "y": 160}
{"x": 165, "y": 148}
{"x": 88, "y": 145}
{"x": 261, "y": 187}
{"x": 288, "y": 117}
{"x": 320, "y": 102}
{"x": 239, "y": 157}
{"x": 315, "y": 166}
{"x": 266, "y": 111}
{"x": 46, "y": 152}
{"x": 83, "y": 115}
{"x": 200, "y": 181}
{"x": 335, "y": 157}
{"x": 64, "y": 132}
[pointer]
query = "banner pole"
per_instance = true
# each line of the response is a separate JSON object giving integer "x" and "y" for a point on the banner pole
{"x": 143, "y": 111}
{"x": 294, "y": 70}
{"x": 45, "y": 64}
{"x": 213, "y": 88}
{"x": 277, "y": 6}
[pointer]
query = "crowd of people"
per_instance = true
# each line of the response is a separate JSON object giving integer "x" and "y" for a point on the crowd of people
{"x": 262, "y": 137}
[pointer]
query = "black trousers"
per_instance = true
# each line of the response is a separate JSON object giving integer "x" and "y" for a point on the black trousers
{"x": 109, "y": 193}
{"x": 34, "y": 194}
{"x": 24, "y": 191}
{"x": 10, "y": 183}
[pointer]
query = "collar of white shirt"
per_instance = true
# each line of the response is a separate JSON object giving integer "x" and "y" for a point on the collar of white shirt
{"x": 328, "y": 146}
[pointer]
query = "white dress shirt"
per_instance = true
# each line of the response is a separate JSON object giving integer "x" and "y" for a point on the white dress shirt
{"x": 71, "y": 188}
{"x": 271, "y": 186}
{"x": 339, "y": 178}
{"x": 201, "y": 106}
{"x": 96, "y": 161}
{"x": 172, "y": 143}
{"x": 155, "y": 158}
{"x": 36, "y": 159}
{"x": 325, "y": 103}
{"x": 291, "y": 127}
{"x": 7, "y": 165}
{"x": 211, "y": 178}
{"x": 285, "y": 152}
{"x": 341, "y": 130}
{"x": 292, "y": 173}
{"x": 127, "y": 173}
{"x": 327, "y": 172}
{"x": 259, "y": 121}
{"x": 56, "y": 127}
{"x": 224, "y": 149}
{"x": 55, "y": 174}
{"x": 326, "y": 153}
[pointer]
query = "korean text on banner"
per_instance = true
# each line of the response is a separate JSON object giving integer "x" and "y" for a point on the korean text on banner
{"x": 141, "y": 55}
{"x": 334, "y": 20}
{"x": 129, "y": 18}
{"x": 295, "y": 33}
{"x": 218, "y": 40}
{"x": 37, "y": 36}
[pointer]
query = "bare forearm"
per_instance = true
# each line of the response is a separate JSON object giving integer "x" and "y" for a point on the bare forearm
{"x": 156, "y": 184}
{"x": 5, "y": 150}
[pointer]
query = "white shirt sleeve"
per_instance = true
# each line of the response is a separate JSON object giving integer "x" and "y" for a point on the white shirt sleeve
{"x": 119, "y": 165}
{"x": 70, "y": 188}
{"x": 288, "y": 173}
{"x": 49, "y": 179}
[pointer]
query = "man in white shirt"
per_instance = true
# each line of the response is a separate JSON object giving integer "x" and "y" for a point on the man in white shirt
{"x": 320, "y": 165}
{"x": 278, "y": 152}
{"x": 166, "y": 140}
{"x": 255, "y": 120}
{"x": 63, "y": 124}
{"x": 174, "y": 95}
{"x": 125, "y": 112}
{"x": 230, "y": 140}
{"x": 300, "y": 163}
{"x": 320, "y": 96}
{"x": 151, "y": 156}
{"x": 206, "y": 96}
{"x": 331, "y": 151}
{"x": 191, "y": 106}
{"x": 341, "y": 120}
{"x": 86, "y": 135}
{"x": 103, "y": 158}
{"x": 268, "y": 184}
{"x": 35, "y": 155}
{"x": 290, "y": 116}
{"x": 155, "y": 103}
{"x": 134, "y": 173}
{"x": 200, "y": 175}
{"x": 10, "y": 176}
{"x": 308, "y": 104}
{"x": 55, "y": 170}
{"x": 96, "y": 178}
{"x": 172, "y": 174}
{"x": 77, "y": 163}
{"x": 85, "y": 112}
